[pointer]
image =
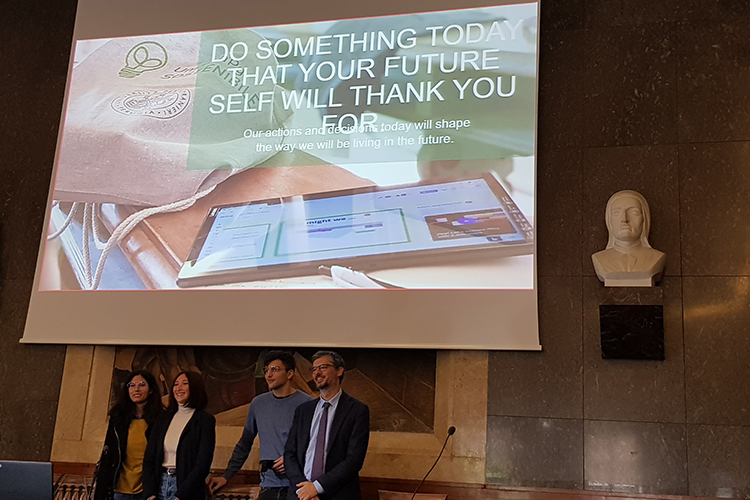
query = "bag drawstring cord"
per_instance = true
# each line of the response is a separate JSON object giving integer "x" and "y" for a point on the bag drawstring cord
{"x": 91, "y": 224}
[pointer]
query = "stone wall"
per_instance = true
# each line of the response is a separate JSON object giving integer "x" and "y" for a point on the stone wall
{"x": 650, "y": 96}
{"x": 634, "y": 94}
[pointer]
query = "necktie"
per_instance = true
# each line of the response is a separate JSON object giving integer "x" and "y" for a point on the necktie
{"x": 318, "y": 467}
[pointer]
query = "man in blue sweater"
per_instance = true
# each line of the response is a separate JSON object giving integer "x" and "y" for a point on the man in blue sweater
{"x": 269, "y": 417}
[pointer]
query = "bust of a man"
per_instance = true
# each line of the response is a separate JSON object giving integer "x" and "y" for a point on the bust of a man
{"x": 628, "y": 259}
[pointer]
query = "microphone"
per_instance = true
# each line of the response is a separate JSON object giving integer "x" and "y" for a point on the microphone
{"x": 451, "y": 431}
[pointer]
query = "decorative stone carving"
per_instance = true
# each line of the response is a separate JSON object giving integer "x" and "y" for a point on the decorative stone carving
{"x": 628, "y": 259}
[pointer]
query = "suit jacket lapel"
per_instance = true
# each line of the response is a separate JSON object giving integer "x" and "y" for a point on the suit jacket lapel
{"x": 342, "y": 410}
{"x": 307, "y": 418}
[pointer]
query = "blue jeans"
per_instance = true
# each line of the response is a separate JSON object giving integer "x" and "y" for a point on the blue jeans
{"x": 128, "y": 496}
{"x": 168, "y": 488}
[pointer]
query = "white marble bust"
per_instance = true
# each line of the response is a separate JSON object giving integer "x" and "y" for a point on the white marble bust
{"x": 628, "y": 259}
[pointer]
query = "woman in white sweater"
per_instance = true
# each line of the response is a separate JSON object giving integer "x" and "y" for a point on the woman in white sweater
{"x": 181, "y": 445}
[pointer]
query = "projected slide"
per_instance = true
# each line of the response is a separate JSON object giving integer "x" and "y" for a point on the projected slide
{"x": 326, "y": 234}
{"x": 158, "y": 129}
{"x": 345, "y": 174}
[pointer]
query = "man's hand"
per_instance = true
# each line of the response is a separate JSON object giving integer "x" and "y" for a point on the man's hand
{"x": 278, "y": 466}
{"x": 306, "y": 491}
{"x": 216, "y": 483}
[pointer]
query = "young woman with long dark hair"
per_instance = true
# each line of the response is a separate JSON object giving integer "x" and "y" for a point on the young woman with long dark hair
{"x": 136, "y": 409}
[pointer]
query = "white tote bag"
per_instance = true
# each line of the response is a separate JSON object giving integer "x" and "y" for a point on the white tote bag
{"x": 140, "y": 128}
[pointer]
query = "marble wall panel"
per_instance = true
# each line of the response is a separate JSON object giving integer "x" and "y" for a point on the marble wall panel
{"x": 717, "y": 349}
{"x": 547, "y": 383}
{"x": 23, "y": 218}
{"x": 35, "y": 58}
{"x": 23, "y": 199}
{"x": 5, "y": 381}
{"x": 713, "y": 73}
{"x": 536, "y": 452}
{"x": 714, "y": 189}
{"x": 5, "y": 332}
{"x": 27, "y": 372}
{"x": 5, "y": 427}
{"x": 561, "y": 88}
{"x": 634, "y": 390}
{"x": 629, "y": 83}
{"x": 562, "y": 15}
{"x": 5, "y": 203}
{"x": 29, "y": 381}
{"x": 34, "y": 372}
{"x": 717, "y": 461}
{"x": 559, "y": 199}
{"x": 27, "y": 429}
{"x": 14, "y": 300}
{"x": 634, "y": 457}
{"x": 604, "y": 13}
{"x": 35, "y": 55}
{"x": 711, "y": 10}
{"x": 650, "y": 170}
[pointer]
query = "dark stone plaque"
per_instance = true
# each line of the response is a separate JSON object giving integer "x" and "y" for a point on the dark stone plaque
{"x": 632, "y": 331}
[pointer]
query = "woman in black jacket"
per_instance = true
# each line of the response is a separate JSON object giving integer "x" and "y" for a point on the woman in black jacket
{"x": 181, "y": 445}
{"x": 131, "y": 418}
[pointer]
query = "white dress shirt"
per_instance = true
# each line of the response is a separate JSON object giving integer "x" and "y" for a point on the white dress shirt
{"x": 310, "y": 453}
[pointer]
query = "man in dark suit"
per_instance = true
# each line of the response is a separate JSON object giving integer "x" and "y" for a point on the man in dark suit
{"x": 328, "y": 440}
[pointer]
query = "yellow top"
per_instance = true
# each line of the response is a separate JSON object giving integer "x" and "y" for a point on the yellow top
{"x": 131, "y": 473}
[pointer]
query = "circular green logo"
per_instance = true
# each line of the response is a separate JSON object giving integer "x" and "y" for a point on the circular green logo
{"x": 146, "y": 56}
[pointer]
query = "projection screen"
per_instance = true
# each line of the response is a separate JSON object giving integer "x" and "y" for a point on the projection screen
{"x": 345, "y": 174}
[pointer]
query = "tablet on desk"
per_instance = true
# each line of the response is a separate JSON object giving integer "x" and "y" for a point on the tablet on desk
{"x": 364, "y": 228}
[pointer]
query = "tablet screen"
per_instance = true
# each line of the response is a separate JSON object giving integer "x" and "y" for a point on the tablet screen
{"x": 373, "y": 227}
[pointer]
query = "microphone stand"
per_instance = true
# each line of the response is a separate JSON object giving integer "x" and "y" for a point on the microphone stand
{"x": 451, "y": 431}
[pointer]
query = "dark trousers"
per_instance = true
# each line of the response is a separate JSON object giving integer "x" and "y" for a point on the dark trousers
{"x": 273, "y": 493}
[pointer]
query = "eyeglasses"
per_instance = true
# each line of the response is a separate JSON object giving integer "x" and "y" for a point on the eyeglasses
{"x": 320, "y": 368}
{"x": 273, "y": 369}
{"x": 141, "y": 385}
